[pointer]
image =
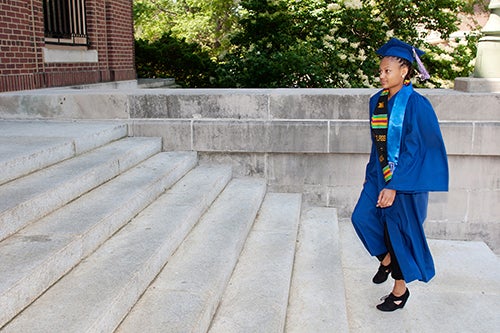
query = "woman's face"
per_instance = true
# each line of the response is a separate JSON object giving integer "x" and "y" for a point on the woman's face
{"x": 392, "y": 74}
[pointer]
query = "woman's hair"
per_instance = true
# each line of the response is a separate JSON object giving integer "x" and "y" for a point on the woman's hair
{"x": 405, "y": 63}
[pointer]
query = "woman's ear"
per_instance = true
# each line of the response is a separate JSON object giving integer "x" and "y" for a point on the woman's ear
{"x": 404, "y": 71}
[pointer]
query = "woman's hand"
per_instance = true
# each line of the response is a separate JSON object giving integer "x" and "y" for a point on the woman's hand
{"x": 386, "y": 198}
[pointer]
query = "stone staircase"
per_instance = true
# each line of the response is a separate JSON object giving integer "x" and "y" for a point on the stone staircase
{"x": 101, "y": 232}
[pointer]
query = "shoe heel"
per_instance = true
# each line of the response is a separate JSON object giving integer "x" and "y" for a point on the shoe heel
{"x": 390, "y": 304}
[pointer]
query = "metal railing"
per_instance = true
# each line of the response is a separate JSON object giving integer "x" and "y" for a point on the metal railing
{"x": 65, "y": 22}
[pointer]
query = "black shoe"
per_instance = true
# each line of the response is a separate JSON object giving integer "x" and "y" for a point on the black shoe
{"x": 382, "y": 274}
{"x": 390, "y": 302}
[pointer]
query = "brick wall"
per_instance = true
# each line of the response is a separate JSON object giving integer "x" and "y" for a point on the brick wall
{"x": 120, "y": 28}
{"x": 22, "y": 64}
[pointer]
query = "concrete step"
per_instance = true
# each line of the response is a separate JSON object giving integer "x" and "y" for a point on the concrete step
{"x": 317, "y": 294}
{"x": 29, "y": 198}
{"x": 27, "y": 146}
{"x": 40, "y": 254}
{"x": 185, "y": 295}
{"x": 464, "y": 296}
{"x": 107, "y": 284}
{"x": 256, "y": 298}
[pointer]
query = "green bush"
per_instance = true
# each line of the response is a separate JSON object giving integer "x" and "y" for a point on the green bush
{"x": 169, "y": 57}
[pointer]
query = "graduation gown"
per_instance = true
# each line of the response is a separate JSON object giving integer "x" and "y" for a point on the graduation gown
{"x": 422, "y": 167}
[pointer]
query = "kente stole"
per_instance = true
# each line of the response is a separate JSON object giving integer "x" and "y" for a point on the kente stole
{"x": 388, "y": 129}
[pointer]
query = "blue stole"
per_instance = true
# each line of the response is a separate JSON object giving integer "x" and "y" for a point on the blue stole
{"x": 395, "y": 129}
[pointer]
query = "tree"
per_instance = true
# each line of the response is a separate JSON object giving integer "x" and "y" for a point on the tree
{"x": 270, "y": 49}
{"x": 206, "y": 23}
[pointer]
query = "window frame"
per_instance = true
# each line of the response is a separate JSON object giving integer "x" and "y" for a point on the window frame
{"x": 65, "y": 22}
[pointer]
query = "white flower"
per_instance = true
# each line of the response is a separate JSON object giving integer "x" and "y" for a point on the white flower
{"x": 355, "y": 45}
{"x": 448, "y": 48}
{"x": 333, "y": 7}
{"x": 362, "y": 58}
{"x": 389, "y": 33}
{"x": 342, "y": 56}
{"x": 353, "y": 4}
{"x": 445, "y": 57}
{"x": 328, "y": 45}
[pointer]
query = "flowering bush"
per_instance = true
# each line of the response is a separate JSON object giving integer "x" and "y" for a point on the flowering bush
{"x": 319, "y": 43}
{"x": 324, "y": 43}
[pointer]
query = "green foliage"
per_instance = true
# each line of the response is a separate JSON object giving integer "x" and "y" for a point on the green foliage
{"x": 206, "y": 23}
{"x": 306, "y": 43}
{"x": 169, "y": 57}
{"x": 270, "y": 50}
{"x": 448, "y": 61}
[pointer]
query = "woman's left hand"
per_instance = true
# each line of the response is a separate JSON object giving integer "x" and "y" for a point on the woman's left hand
{"x": 386, "y": 198}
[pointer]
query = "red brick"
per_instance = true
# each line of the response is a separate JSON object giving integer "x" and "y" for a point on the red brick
{"x": 22, "y": 39}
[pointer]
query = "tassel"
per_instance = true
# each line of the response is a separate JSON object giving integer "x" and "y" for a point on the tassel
{"x": 423, "y": 74}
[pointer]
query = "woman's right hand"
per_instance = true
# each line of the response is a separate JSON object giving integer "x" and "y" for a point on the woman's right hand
{"x": 386, "y": 198}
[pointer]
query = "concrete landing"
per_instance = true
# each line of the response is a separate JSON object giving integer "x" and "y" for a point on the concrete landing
{"x": 464, "y": 296}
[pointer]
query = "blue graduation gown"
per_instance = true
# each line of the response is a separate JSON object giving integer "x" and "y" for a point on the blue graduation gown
{"x": 422, "y": 167}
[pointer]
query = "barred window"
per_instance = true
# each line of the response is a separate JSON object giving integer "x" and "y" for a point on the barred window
{"x": 65, "y": 22}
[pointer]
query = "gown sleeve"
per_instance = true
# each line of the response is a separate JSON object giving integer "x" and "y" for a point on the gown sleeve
{"x": 371, "y": 172}
{"x": 423, "y": 163}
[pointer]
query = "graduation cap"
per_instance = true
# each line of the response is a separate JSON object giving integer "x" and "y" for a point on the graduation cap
{"x": 396, "y": 48}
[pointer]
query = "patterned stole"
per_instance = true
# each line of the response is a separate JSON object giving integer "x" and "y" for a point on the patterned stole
{"x": 386, "y": 130}
{"x": 379, "y": 127}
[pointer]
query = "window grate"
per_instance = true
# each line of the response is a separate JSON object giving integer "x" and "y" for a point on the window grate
{"x": 65, "y": 22}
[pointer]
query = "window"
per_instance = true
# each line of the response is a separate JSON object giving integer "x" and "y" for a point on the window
{"x": 64, "y": 22}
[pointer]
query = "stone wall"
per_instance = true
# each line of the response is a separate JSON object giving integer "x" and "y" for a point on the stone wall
{"x": 314, "y": 141}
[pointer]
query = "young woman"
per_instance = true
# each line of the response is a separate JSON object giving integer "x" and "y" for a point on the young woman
{"x": 408, "y": 159}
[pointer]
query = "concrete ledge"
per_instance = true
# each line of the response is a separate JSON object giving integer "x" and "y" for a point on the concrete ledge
{"x": 470, "y": 84}
{"x": 199, "y": 103}
{"x": 63, "y": 104}
{"x": 129, "y": 102}
{"x": 302, "y": 136}
{"x": 260, "y": 136}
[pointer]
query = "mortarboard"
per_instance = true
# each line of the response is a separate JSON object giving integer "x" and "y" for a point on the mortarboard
{"x": 396, "y": 48}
